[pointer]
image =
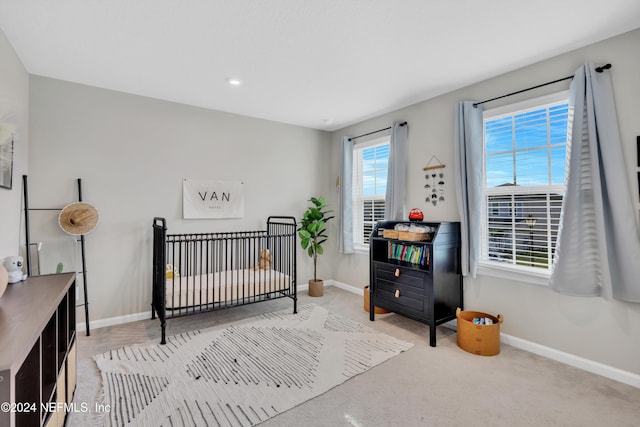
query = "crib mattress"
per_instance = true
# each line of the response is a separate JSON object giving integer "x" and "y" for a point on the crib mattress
{"x": 223, "y": 286}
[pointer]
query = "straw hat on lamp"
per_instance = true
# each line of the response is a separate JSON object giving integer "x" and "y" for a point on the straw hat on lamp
{"x": 78, "y": 218}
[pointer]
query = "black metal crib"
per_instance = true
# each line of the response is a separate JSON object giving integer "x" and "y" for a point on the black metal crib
{"x": 198, "y": 272}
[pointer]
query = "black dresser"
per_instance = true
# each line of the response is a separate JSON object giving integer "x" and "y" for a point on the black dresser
{"x": 416, "y": 275}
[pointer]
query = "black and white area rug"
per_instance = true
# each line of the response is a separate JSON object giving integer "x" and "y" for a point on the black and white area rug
{"x": 241, "y": 374}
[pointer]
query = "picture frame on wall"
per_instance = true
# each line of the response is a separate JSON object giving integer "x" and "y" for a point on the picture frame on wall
{"x": 6, "y": 163}
{"x": 206, "y": 198}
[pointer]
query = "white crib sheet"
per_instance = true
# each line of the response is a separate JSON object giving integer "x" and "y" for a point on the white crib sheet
{"x": 223, "y": 286}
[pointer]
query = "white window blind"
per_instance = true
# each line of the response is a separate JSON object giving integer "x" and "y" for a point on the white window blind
{"x": 372, "y": 212}
{"x": 525, "y": 157}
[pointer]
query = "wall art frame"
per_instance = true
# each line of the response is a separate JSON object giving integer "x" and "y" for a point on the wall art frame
{"x": 207, "y": 198}
{"x": 6, "y": 163}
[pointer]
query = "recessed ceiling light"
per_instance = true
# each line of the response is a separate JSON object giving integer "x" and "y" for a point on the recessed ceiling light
{"x": 234, "y": 81}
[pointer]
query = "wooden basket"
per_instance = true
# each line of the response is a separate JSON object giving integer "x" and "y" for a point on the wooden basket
{"x": 390, "y": 234}
{"x": 413, "y": 236}
{"x": 367, "y": 296}
{"x": 483, "y": 340}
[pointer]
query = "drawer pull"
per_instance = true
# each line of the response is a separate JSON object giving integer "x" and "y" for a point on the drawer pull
{"x": 397, "y": 272}
{"x": 397, "y": 294}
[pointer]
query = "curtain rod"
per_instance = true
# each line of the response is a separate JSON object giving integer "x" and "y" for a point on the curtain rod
{"x": 375, "y": 131}
{"x": 598, "y": 69}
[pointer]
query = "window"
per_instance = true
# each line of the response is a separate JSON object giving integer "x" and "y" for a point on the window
{"x": 370, "y": 166}
{"x": 525, "y": 148}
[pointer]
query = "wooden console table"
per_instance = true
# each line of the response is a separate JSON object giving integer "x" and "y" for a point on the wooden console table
{"x": 38, "y": 351}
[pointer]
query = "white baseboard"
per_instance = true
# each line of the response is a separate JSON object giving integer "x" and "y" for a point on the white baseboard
{"x": 610, "y": 372}
{"x": 345, "y": 287}
{"x": 601, "y": 369}
{"x": 118, "y": 320}
{"x": 588, "y": 365}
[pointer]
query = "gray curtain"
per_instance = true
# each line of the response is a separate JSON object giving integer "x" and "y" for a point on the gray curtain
{"x": 346, "y": 193}
{"x": 468, "y": 160}
{"x": 598, "y": 247}
{"x": 397, "y": 174}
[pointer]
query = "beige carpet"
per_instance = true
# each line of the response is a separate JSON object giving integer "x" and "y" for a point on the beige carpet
{"x": 241, "y": 374}
{"x": 424, "y": 386}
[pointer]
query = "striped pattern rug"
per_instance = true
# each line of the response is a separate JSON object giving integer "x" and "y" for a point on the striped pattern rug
{"x": 239, "y": 375}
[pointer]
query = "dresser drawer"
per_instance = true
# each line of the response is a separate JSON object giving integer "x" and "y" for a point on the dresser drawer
{"x": 400, "y": 297}
{"x": 403, "y": 287}
{"x": 410, "y": 279}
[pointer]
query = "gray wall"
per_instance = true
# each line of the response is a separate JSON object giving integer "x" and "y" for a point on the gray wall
{"x": 14, "y": 114}
{"x": 603, "y": 331}
{"x": 132, "y": 154}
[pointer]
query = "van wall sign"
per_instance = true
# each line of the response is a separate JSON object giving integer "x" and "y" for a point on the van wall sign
{"x": 205, "y": 198}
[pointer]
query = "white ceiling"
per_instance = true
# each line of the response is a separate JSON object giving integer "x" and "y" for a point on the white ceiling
{"x": 322, "y": 64}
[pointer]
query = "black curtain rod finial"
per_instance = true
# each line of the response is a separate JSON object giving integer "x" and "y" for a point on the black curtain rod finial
{"x": 602, "y": 68}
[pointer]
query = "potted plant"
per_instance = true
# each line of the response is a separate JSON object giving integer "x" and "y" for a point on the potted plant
{"x": 312, "y": 233}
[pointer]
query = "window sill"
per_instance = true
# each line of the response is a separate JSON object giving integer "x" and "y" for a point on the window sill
{"x": 530, "y": 275}
{"x": 361, "y": 249}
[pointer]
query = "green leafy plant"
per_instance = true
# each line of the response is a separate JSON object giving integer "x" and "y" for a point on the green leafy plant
{"x": 312, "y": 230}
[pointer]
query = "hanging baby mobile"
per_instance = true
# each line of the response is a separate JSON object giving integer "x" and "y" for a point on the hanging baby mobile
{"x": 435, "y": 180}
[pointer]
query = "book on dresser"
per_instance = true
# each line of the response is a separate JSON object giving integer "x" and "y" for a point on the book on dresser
{"x": 417, "y": 275}
{"x": 38, "y": 357}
